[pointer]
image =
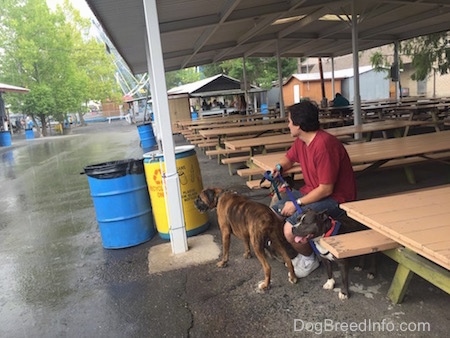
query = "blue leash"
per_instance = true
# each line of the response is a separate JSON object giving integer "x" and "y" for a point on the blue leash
{"x": 268, "y": 176}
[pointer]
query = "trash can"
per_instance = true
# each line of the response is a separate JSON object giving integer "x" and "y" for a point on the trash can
{"x": 148, "y": 141}
{"x": 191, "y": 185}
{"x": 29, "y": 134}
{"x": 264, "y": 108}
{"x": 122, "y": 203}
{"x": 5, "y": 138}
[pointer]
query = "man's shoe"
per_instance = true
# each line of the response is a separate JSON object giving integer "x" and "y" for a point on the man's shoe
{"x": 304, "y": 265}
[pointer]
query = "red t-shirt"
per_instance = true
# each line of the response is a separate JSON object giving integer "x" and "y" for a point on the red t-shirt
{"x": 325, "y": 161}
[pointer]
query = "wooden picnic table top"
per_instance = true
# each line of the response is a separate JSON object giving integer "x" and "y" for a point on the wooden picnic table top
{"x": 265, "y": 125}
{"x": 224, "y": 119}
{"x": 338, "y": 131}
{"x": 237, "y": 122}
{"x": 243, "y": 130}
{"x": 423, "y": 106}
{"x": 419, "y": 220}
{"x": 383, "y": 150}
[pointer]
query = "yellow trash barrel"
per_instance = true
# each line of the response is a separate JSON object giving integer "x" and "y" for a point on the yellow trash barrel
{"x": 191, "y": 185}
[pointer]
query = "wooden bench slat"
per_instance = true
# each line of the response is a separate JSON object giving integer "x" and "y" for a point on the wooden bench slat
{"x": 226, "y": 151}
{"x": 235, "y": 159}
{"x": 250, "y": 171}
{"x": 357, "y": 243}
{"x": 255, "y": 184}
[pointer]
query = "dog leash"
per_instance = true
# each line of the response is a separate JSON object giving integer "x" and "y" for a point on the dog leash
{"x": 268, "y": 176}
{"x": 335, "y": 225}
{"x": 333, "y": 230}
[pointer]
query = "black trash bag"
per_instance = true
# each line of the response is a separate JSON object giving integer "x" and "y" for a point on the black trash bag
{"x": 115, "y": 169}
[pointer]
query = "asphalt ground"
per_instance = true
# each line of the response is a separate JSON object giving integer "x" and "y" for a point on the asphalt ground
{"x": 58, "y": 280}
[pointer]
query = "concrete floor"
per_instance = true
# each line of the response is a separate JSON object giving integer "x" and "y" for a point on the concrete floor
{"x": 58, "y": 281}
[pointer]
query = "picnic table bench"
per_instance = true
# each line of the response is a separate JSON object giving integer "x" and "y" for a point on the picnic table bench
{"x": 419, "y": 222}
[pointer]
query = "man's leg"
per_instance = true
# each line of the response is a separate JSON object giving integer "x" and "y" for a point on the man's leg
{"x": 306, "y": 260}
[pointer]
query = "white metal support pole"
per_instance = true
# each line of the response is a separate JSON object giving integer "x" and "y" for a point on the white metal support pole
{"x": 172, "y": 189}
{"x": 397, "y": 91}
{"x": 244, "y": 70}
{"x": 280, "y": 81}
{"x": 156, "y": 125}
{"x": 357, "y": 96}
{"x": 333, "y": 88}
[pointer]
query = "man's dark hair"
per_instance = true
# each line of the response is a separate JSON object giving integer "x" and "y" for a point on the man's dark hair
{"x": 305, "y": 115}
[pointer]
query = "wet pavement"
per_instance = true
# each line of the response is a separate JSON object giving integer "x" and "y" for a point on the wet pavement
{"x": 58, "y": 281}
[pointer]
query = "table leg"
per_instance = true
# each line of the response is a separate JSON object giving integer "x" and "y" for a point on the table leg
{"x": 435, "y": 119}
{"x": 410, "y": 263}
{"x": 399, "y": 284}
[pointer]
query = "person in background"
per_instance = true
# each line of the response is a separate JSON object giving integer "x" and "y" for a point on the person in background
{"x": 339, "y": 101}
{"x": 327, "y": 173}
{"x": 242, "y": 105}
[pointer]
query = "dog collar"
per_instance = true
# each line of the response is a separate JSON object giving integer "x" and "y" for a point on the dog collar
{"x": 335, "y": 225}
{"x": 334, "y": 228}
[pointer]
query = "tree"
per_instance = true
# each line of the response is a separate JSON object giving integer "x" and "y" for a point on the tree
{"x": 48, "y": 53}
{"x": 261, "y": 72}
{"x": 179, "y": 77}
{"x": 427, "y": 54}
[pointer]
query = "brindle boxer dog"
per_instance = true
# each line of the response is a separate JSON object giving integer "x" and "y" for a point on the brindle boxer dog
{"x": 254, "y": 223}
{"x": 312, "y": 225}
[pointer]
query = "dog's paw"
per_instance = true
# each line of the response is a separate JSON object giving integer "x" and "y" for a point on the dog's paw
{"x": 357, "y": 268}
{"x": 221, "y": 264}
{"x": 292, "y": 279}
{"x": 329, "y": 285}
{"x": 342, "y": 296}
{"x": 262, "y": 287}
{"x": 370, "y": 275}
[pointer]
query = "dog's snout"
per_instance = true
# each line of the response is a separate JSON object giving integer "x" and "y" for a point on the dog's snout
{"x": 200, "y": 205}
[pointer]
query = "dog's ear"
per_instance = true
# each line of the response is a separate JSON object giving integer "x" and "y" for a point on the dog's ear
{"x": 210, "y": 194}
{"x": 323, "y": 215}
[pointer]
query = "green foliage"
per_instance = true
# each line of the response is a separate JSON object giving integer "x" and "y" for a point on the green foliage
{"x": 259, "y": 71}
{"x": 183, "y": 76}
{"x": 427, "y": 53}
{"x": 50, "y": 53}
{"x": 379, "y": 62}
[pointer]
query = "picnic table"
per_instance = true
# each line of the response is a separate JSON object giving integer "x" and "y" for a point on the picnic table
{"x": 366, "y": 128}
{"x": 236, "y": 122}
{"x": 371, "y": 155}
{"x": 226, "y": 119}
{"x": 420, "y": 222}
{"x": 430, "y": 109}
{"x": 260, "y": 129}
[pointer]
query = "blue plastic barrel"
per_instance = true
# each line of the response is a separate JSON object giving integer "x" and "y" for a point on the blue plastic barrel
{"x": 194, "y": 115}
{"x": 148, "y": 141}
{"x": 264, "y": 108}
{"x": 5, "y": 138}
{"x": 122, "y": 203}
{"x": 29, "y": 134}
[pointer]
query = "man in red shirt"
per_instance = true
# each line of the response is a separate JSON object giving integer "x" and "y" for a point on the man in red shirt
{"x": 327, "y": 173}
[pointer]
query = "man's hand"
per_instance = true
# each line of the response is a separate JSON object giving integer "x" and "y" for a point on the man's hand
{"x": 277, "y": 170}
{"x": 288, "y": 209}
